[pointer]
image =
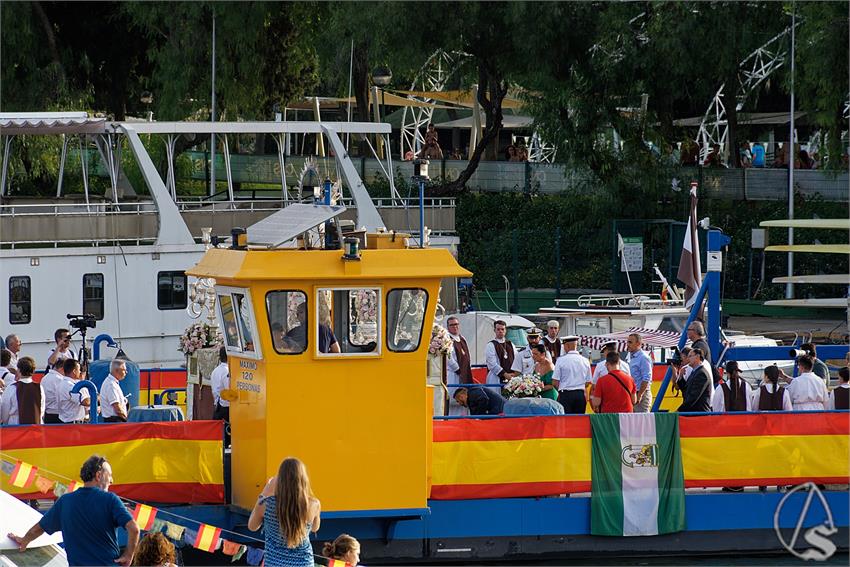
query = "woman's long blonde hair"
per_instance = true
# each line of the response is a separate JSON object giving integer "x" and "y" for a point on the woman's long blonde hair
{"x": 292, "y": 495}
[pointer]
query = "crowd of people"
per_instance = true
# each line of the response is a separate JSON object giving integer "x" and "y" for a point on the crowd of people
{"x": 286, "y": 510}
{"x": 620, "y": 384}
{"x": 23, "y": 401}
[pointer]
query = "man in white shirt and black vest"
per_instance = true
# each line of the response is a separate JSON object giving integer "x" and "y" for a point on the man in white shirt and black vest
{"x": 499, "y": 355}
{"x": 552, "y": 341}
{"x": 524, "y": 362}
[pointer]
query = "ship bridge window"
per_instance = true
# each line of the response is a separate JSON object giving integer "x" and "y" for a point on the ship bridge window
{"x": 171, "y": 290}
{"x": 20, "y": 300}
{"x": 237, "y": 318}
{"x": 348, "y": 321}
{"x": 93, "y": 295}
{"x": 405, "y": 318}
{"x": 287, "y": 312}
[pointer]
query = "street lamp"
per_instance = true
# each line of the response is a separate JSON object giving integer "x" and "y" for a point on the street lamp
{"x": 420, "y": 176}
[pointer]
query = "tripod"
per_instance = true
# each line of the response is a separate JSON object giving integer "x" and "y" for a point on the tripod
{"x": 83, "y": 354}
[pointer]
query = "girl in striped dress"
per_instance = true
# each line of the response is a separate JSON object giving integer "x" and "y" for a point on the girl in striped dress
{"x": 287, "y": 511}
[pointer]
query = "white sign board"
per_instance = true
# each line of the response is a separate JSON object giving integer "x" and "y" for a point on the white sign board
{"x": 632, "y": 260}
{"x": 715, "y": 261}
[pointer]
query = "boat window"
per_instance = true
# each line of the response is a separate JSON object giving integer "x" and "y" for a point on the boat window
{"x": 405, "y": 318}
{"x": 20, "y": 300}
{"x": 287, "y": 313}
{"x": 517, "y": 336}
{"x": 237, "y": 318}
{"x": 231, "y": 332}
{"x": 623, "y": 323}
{"x": 348, "y": 321}
{"x": 171, "y": 290}
{"x": 589, "y": 326}
{"x": 93, "y": 295}
{"x": 673, "y": 323}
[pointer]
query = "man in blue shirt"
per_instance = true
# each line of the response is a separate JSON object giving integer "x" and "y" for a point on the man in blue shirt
{"x": 480, "y": 400}
{"x": 88, "y": 518}
{"x": 640, "y": 367}
{"x": 758, "y": 155}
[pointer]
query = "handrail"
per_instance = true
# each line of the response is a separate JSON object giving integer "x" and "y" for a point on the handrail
{"x": 92, "y": 390}
{"x": 695, "y": 309}
{"x": 110, "y": 342}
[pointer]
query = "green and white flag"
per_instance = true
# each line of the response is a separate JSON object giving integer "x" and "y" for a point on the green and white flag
{"x": 637, "y": 483}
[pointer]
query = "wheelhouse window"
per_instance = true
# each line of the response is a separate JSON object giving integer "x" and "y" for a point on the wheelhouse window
{"x": 287, "y": 313}
{"x": 237, "y": 319}
{"x": 348, "y": 321}
{"x": 171, "y": 290}
{"x": 93, "y": 295}
{"x": 20, "y": 300}
{"x": 405, "y": 318}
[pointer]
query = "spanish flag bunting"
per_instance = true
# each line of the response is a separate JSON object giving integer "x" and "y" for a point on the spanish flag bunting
{"x": 144, "y": 516}
{"x": 74, "y": 485}
{"x": 23, "y": 475}
{"x": 208, "y": 537}
{"x": 338, "y": 563}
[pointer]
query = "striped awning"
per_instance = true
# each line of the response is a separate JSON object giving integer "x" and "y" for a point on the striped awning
{"x": 652, "y": 338}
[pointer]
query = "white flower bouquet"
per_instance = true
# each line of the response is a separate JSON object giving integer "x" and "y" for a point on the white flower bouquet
{"x": 441, "y": 341}
{"x": 198, "y": 336}
{"x": 524, "y": 386}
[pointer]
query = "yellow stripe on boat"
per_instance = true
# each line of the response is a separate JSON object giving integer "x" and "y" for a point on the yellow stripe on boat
{"x": 841, "y": 224}
{"x": 811, "y": 248}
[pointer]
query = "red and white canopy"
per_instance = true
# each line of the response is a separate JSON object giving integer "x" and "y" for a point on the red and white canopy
{"x": 652, "y": 338}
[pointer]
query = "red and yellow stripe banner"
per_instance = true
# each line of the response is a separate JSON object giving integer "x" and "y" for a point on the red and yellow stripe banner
{"x": 23, "y": 474}
{"x": 144, "y": 516}
{"x": 178, "y": 462}
{"x": 208, "y": 537}
{"x": 539, "y": 456}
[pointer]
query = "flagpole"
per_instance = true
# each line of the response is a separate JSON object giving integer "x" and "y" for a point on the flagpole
{"x": 789, "y": 287}
{"x": 621, "y": 249}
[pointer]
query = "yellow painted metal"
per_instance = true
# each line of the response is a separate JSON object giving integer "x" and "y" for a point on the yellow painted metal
{"x": 362, "y": 425}
{"x": 811, "y": 248}
{"x": 841, "y": 224}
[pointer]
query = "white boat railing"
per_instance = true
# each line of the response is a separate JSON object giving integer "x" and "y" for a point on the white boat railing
{"x": 620, "y": 301}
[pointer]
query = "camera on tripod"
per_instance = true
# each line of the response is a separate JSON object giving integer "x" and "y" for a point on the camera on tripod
{"x": 82, "y": 322}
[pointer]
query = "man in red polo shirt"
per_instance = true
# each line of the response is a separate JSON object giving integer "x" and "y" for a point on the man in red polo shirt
{"x": 615, "y": 392}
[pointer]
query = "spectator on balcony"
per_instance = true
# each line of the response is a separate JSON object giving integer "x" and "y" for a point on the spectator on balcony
{"x": 714, "y": 157}
{"x": 805, "y": 161}
{"x": 689, "y": 153}
{"x": 758, "y": 155}
{"x": 431, "y": 149}
{"x": 779, "y": 160}
{"x": 746, "y": 155}
{"x": 510, "y": 152}
{"x": 521, "y": 151}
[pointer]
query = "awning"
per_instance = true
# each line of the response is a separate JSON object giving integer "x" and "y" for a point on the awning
{"x": 37, "y": 123}
{"x": 509, "y": 122}
{"x": 652, "y": 338}
{"x": 749, "y": 118}
{"x": 386, "y": 99}
{"x": 461, "y": 98}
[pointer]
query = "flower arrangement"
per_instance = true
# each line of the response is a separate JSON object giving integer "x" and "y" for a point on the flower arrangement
{"x": 441, "y": 341}
{"x": 524, "y": 386}
{"x": 198, "y": 336}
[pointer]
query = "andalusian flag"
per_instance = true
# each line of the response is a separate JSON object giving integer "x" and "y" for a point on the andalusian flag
{"x": 23, "y": 474}
{"x": 144, "y": 516}
{"x": 637, "y": 483}
{"x": 207, "y": 538}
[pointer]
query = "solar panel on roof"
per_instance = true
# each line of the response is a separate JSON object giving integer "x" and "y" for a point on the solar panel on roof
{"x": 288, "y": 223}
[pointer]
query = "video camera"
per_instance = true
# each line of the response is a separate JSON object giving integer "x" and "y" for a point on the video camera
{"x": 82, "y": 322}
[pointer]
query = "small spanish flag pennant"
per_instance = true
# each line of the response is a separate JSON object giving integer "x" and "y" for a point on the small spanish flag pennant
{"x": 144, "y": 516}
{"x": 44, "y": 485}
{"x": 23, "y": 475}
{"x": 208, "y": 537}
{"x": 74, "y": 485}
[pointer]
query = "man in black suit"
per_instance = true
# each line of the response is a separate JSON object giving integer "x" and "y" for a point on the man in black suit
{"x": 480, "y": 400}
{"x": 696, "y": 391}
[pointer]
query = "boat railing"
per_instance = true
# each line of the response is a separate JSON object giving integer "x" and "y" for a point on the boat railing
{"x": 642, "y": 301}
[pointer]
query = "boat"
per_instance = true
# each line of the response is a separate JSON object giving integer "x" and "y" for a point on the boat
{"x": 414, "y": 488}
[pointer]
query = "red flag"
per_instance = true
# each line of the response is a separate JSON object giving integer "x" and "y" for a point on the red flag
{"x": 690, "y": 271}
